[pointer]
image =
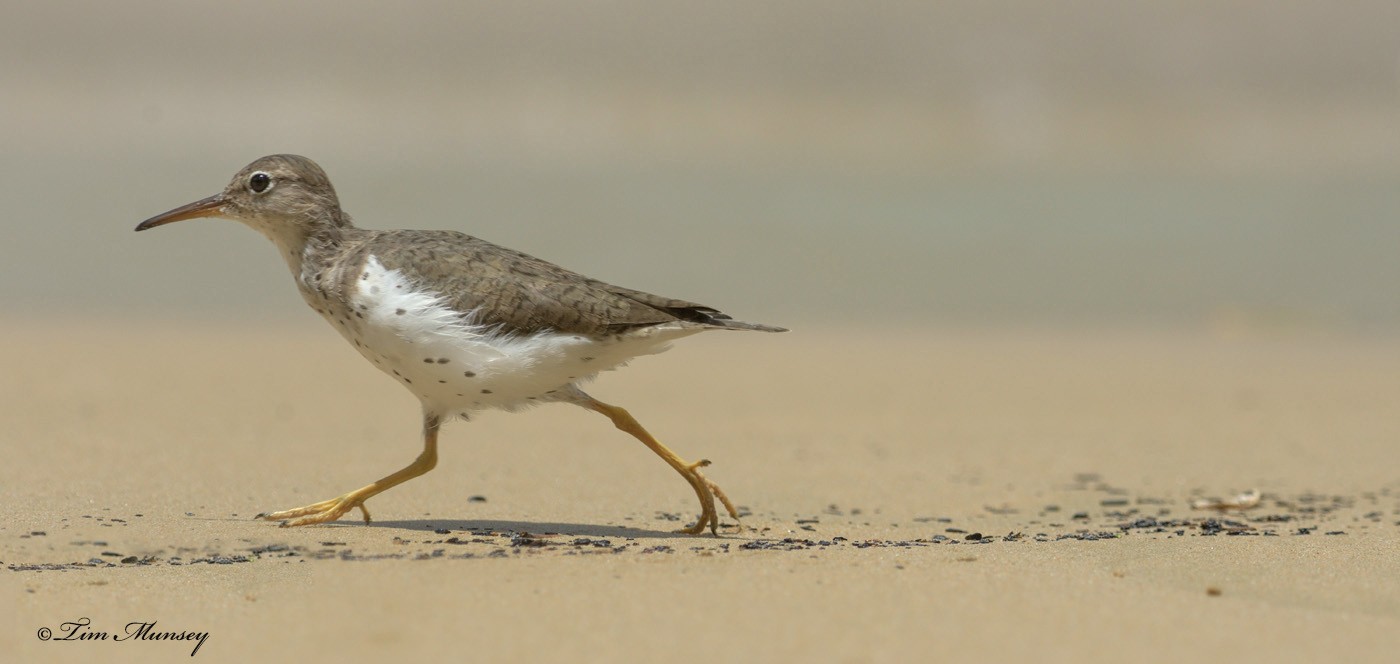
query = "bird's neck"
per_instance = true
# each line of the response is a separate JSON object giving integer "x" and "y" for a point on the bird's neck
{"x": 305, "y": 241}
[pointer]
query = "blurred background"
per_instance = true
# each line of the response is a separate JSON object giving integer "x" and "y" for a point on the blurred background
{"x": 1222, "y": 163}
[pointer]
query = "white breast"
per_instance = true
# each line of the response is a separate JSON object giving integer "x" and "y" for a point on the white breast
{"x": 456, "y": 363}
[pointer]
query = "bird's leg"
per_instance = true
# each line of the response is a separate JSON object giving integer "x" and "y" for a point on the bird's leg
{"x": 330, "y": 510}
{"x": 706, "y": 490}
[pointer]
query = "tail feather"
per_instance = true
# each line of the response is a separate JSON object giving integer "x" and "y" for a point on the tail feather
{"x": 691, "y": 312}
{"x": 731, "y": 324}
{"x": 714, "y": 318}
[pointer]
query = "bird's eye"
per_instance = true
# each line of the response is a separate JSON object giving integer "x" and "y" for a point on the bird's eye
{"x": 259, "y": 182}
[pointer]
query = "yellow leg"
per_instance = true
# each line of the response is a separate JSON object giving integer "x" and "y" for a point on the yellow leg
{"x": 706, "y": 490}
{"x": 330, "y": 510}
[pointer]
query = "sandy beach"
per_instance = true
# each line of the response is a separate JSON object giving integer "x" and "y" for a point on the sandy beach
{"x": 907, "y": 494}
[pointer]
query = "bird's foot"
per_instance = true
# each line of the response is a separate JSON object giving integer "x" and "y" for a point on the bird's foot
{"x": 322, "y": 512}
{"x": 708, "y": 492}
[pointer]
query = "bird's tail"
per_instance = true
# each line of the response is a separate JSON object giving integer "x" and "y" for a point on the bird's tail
{"x": 731, "y": 324}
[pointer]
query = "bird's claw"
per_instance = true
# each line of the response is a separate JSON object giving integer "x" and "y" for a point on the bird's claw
{"x": 322, "y": 512}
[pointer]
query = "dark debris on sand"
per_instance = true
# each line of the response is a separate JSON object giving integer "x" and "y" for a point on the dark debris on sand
{"x": 1094, "y": 519}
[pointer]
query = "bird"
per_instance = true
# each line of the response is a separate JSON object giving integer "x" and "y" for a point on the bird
{"x": 463, "y": 324}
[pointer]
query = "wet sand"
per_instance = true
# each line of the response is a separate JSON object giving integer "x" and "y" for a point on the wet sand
{"x": 907, "y": 494}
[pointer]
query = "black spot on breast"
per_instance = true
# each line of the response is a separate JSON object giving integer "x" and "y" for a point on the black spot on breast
{"x": 427, "y": 360}
{"x": 486, "y": 391}
{"x": 587, "y": 359}
{"x": 400, "y": 312}
{"x": 442, "y": 360}
{"x": 469, "y": 374}
{"x": 442, "y": 381}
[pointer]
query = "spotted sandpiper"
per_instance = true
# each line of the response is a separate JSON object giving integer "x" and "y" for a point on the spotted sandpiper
{"x": 464, "y": 324}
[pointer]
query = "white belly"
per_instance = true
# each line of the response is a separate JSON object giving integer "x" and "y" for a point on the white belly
{"x": 456, "y": 365}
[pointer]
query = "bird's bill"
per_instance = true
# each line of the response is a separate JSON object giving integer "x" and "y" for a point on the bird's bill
{"x": 205, "y": 207}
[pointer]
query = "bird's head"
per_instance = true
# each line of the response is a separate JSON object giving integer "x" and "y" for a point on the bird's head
{"x": 280, "y": 195}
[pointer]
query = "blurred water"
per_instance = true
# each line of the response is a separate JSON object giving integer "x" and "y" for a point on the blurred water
{"x": 1206, "y": 163}
{"x": 1154, "y": 250}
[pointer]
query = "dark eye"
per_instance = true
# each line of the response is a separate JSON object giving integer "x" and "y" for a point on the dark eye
{"x": 259, "y": 182}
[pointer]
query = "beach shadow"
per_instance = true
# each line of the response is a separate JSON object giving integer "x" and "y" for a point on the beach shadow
{"x": 470, "y": 526}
